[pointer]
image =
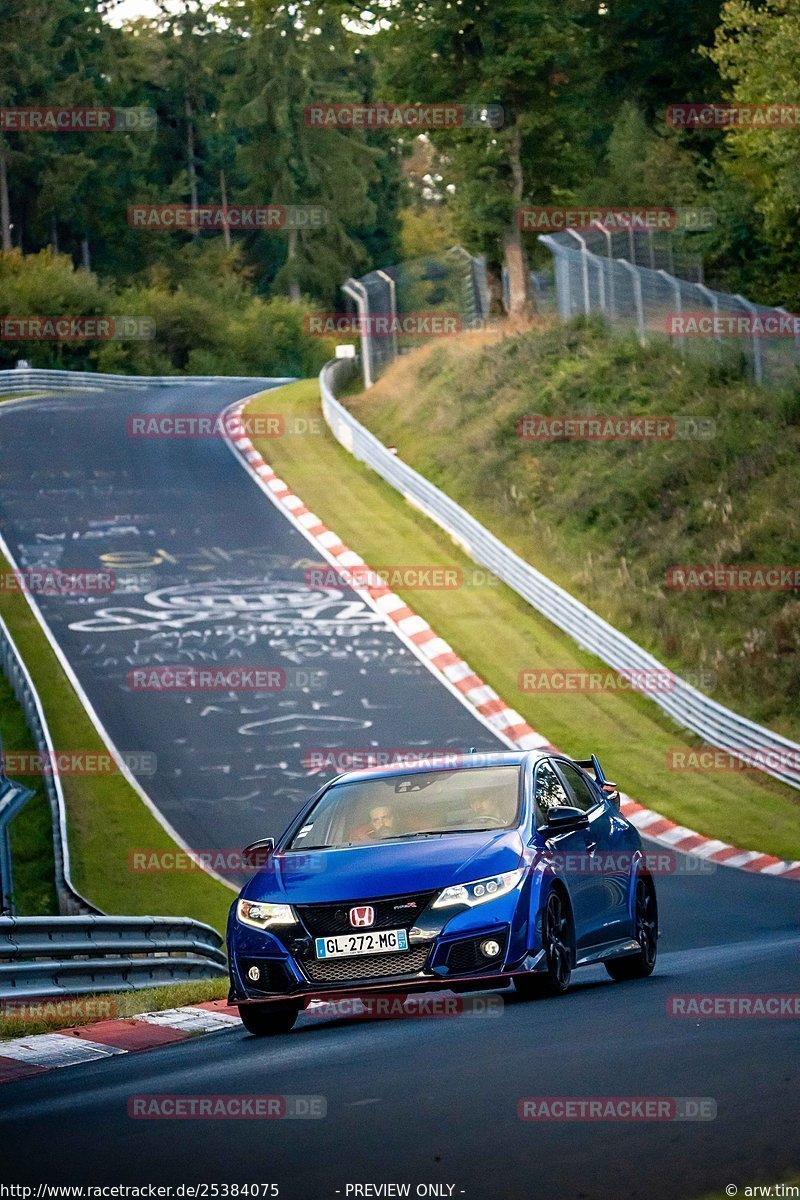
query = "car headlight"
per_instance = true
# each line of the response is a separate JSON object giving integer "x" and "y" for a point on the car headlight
{"x": 261, "y": 915}
{"x": 480, "y": 891}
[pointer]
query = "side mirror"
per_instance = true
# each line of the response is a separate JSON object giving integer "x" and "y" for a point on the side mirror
{"x": 257, "y": 853}
{"x": 611, "y": 793}
{"x": 564, "y": 817}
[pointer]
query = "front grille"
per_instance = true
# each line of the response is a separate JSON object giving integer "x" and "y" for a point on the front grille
{"x": 370, "y": 966}
{"x": 391, "y": 912}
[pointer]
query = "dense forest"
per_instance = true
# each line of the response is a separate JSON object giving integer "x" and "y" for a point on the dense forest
{"x": 218, "y": 95}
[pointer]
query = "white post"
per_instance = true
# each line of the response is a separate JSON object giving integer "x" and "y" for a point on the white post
{"x": 637, "y": 291}
{"x": 393, "y": 307}
{"x": 758, "y": 370}
{"x": 362, "y": 302}
{"x": 676, "y": 285}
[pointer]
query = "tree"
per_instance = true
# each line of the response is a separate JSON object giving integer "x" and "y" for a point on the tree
{"x": 294, "y": 55}
{"x": 757, "y": 51}
{"x": 513, "y": 53}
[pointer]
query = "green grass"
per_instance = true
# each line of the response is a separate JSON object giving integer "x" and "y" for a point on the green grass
{"x": 106, "y": 818}
{"x": 108, "y": 1005}
{"x": 31, "y": 830}
{"x": 499, "y": 635}
{"x": 607, "y": 519}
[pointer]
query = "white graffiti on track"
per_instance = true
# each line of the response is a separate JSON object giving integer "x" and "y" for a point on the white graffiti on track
{"x": 278, "y": 604}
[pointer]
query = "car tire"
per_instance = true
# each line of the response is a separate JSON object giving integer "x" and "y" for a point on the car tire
{"x": 639, "y": 966}
{"x": 267, "y": 1020}
{"x": 557, "y": 945}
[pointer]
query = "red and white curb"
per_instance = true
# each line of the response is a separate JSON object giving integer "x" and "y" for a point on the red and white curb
{"x": 458, "y": 676}
{"x": 26, "y": 1056}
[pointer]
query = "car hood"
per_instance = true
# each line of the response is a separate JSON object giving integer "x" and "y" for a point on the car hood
{"x": 385, "y": 869}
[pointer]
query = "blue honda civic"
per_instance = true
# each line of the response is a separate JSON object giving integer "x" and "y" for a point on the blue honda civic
{"x": 459, "y": 874}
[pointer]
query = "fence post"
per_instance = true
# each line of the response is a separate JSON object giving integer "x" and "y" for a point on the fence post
{"x": 587, "y": 307}
{"x": 609, "y": 257}
{"x": 637, "y": 291}
{"x": 362, "y": 303}
{"x": 796, "y": 321}
{"x": 675, "y": 283}
{"x": 393, "y": 306}
{"x": 758, "y": 369}
{"x": 712, "y": 298}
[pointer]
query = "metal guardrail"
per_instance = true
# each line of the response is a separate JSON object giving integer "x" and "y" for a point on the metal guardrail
{"x": 11, "y": 664}
{"x": 22, "y": 379}
{"x": 13, "y": 798}
{"x": 51, "y": 956}
{"x": 717, "y": 725}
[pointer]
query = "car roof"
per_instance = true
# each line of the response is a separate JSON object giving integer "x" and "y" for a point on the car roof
{"x": 457, "y": 760}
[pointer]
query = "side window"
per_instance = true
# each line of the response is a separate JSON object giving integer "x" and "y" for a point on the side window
{"x": 582, "y": 795}
{"x": 548, "y": 790}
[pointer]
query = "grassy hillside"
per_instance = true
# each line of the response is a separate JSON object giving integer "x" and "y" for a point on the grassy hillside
{"x": 607, "y": 519}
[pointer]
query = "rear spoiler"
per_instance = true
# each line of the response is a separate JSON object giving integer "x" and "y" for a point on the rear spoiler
{"x": 592, "y": 764}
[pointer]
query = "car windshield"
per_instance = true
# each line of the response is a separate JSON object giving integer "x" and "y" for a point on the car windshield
{"x": 420, "y": 804}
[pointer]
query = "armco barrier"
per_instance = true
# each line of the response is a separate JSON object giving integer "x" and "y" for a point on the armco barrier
{"x": 12, "y": 666}
{"x": 52, "y": 956}
{"x": 717, "y": 725}
{"x": 23, "y": 379}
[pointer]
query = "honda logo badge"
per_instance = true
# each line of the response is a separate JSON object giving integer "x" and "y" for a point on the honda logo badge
{"x": 362, "y": 917}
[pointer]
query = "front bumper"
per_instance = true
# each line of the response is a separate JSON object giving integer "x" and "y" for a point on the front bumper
{"x": 444, "y": 953}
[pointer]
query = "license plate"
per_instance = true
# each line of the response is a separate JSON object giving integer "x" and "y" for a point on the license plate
{"x": 382, "y": 942}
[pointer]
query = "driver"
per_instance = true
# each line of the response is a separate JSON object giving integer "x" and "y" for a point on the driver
{"x": 483, "y": 807}
{"x": 382, "y": 821}
{"x": 381, "y": 825}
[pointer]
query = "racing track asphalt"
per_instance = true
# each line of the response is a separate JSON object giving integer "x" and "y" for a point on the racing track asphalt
{"x": 417, "y": 1101}
{"x": 208, "y": 573}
